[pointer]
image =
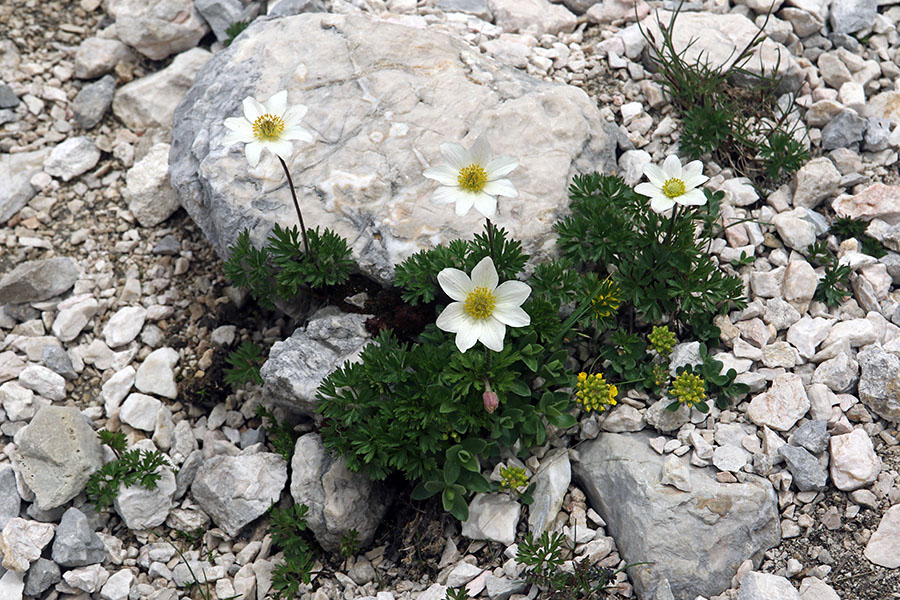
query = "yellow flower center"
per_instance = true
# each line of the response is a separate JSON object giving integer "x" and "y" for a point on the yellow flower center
{"x": 268, "y": 128}
{"x": 472, "y": 178}
{"x": 673, "y": 187}
{"x": 480, "y": 303}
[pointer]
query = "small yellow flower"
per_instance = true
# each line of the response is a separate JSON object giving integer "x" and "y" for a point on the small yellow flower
{"x": 688, "y": 389}
{"x": 594, "y": 393}
{"x": 607, "y": 300}
{"x": 662, "y": 340}
{"x": 513, "y": 478}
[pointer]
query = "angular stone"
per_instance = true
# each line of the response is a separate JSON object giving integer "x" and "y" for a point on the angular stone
{"x": 662, "y": 419}
{"x": 37, "y": 280}
{"x": 298, "y": 365}
{"x": 623, "y": 419}
{"x": 812, "y": 435}
{"x": 782, "y": 405}
{"x": 140, "y": 411}
{"x": 16, "y": 171}
{"x": 158, "y": 29}
{"x": 150, "y": 197}
{"x": 124, "y": 326}
{"x": 93, "y": 101}
{"x": 57, "y": 453}
{"x": 234, "y": 490}
{"x": 551, "y": 482}
{"x": 58, "y": 360}
{"x": 536, "y": 16}
{"x": 380, "y": 206}
{"x": 10, "y": 502}
{"x": 838, "y": 373}
{"x": 492, "y": 517}
{"x": 76, "y": 544}
{"x": 815, "y": 181}
{"x": 141, "y": 508}
{"x": 18, "y": 402}
{"x": 850, "y": 16}
{"x": 220, "y": 14}
{"x": 156, "y": 374}
{"x": 118, "y": 586}
{"x": 876, "y": 201}
{"x": 696, "y": 539}
{"x": 854, "y": 463}
{"x": 730, "y": 458}
{"x": 71, "y": 158}
{"x": 845, "y": 130}
{"x": 800, "y": 282}
{"x": 806, "y": 334}
{"x": 675, "y": 472}
{"x": 74, "y": 315}
{"x": 338, "y": 499}
{"x": 879, "y": 382}
{"x": 41, "y": 575}
{"x": 150, "y": 101}
{"x": 21, "y": 543}
{"x": 813, "y": 588}
{"x": 883, "y": 548}
{"x": 808, "y": 473}
{"x": 98, "y": 56}
{"x": 765, "y": 586}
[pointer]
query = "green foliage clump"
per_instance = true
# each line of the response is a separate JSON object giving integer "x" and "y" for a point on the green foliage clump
{"x": 417, "y": 409}
{"x": 662, "y": 270}
{"x": 287, "y": 527}
{"x": 833, "y": 287}
{"x": 848, "y": 227}
{"x": 234, "y": 30}
{"x": 245, "y": 362}
{"x": 132, "y": 467}
{"x": 349, "y": 544}
{"x": 729, "y": 112}
{"x": 281, "y": 436}
{"x": 281, "y": 268}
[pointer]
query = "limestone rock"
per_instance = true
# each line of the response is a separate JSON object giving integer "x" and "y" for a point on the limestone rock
{"x": 492, "y": 517}
{"x": 71, "y": 158}
{"x": 782, "y": 405}
{"x": 141, "y": 508}
{"x": 16, "y": 171}
{"x": 151, "y": 198}
{"x": 879, "y": 382}
{"x": 92, "y": 102}
{"x": 125, "y": 325}
{"x": 815, "y": 181}
{"x": 808, "y": 474}
{"x": 98, "y": 56}
{"x": 76, "y": 544}
{"x": 56, "y": 455}
{"x": 536, "y": 16}
{"x": 551, "y": 482}
{"x": 21, "y": 543}
{"x": 883, "y": 547}
{"x": 150, "y": 101}
{"x": 338, "y": 499}
{"x": 876, "y": 201}
{"x": 697, "y": 539}
{"x": 37, "y": 280}
{"x": 297, "y": 366}
{"x": 854, "y": 463}
{"x": 381, "y": 205}
{"x": 156, "y": 375}
{"x": 234, "y": 490}
{"x": 158, "y": 29}
{"x": 765, "y": 586}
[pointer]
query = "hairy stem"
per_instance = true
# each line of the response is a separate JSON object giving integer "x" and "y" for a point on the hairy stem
{"x": 296, "y": 206}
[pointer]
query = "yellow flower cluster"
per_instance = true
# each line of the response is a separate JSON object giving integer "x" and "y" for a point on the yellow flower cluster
{"x": 662, "y": 340}
{"x": 513, "y": 478}
{"x": 607, "y": 300}
{"x": 594, "y": 393}
{"x": 688, "y": 389}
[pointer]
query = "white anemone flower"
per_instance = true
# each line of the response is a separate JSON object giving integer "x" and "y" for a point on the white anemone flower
{"x": 472, "y": 177}
{"x": 482, "y": 309}
{"x": 270, "y": 126}
{"x": 672, "y": 184}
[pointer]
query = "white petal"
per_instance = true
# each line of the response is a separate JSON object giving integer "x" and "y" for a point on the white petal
{"x": 661, "y": 203}
{"x": 453, "y": 318}
{"x": 253, "y": 109}
{"x": 656, "y": 175}
{"x": 501, "y": 187}
{"x": 484, "y": 274}
{"x": 514, "y": 316}
{"x": 672, "y": 167}
{"x": 238, "y": 135}
{"x": 253, "y": 152}
{"x": 294, "y": 114}
{"x": 512, "y": 293}
{"x": 485, "y": 204}
{"x": 464, "y": 202}
{"x": 647, "y": 189}
{"x": 492, "y": 334}
{"x": 455, "y": 283}
{"x": 466, "y": 337}
{"x": 445, "y": 195}
{"x": 481, "y": 151}
{"x": 282, "y": 148}
{"x": 695, "y": 167}
{"x": 277, "y": 104}
{"x": 501, "y": 166}
{"x": 692, "y": 198}
{"x": 297, "y": 133}
{"x": 694, "y": 180}
{"x": 443, "y": 174}
{"x": 238, "y": 124}
{"x": 456, "y": 155}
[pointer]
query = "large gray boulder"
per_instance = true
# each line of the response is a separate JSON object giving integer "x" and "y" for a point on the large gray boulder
{"x": 338, "y": 499}
{"x": 382, "y": 98}
{"x": 298, "y": 365}
{"x": 57, "y": 453}
{"x": 695, "y": 539}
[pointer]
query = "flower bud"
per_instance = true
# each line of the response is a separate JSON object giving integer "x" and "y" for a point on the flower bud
{"x": 491, "y": 401}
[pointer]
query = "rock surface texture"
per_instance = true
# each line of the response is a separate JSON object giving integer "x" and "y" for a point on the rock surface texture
{"x": 696, "y": 539}
{"x": 381, "y": 98}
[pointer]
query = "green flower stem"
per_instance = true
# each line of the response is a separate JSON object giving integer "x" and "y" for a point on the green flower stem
{"x": 296, "y": 206}
{"x": 671, "y": 225}
{"x": 490, "y": 234}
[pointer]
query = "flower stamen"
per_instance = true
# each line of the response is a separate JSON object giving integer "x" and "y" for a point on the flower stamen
{"x": 673, "y": 187}
{"x": 480, "y": 303}
{"x": 472, "y": 178}
{"x": 268, "y": 128}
